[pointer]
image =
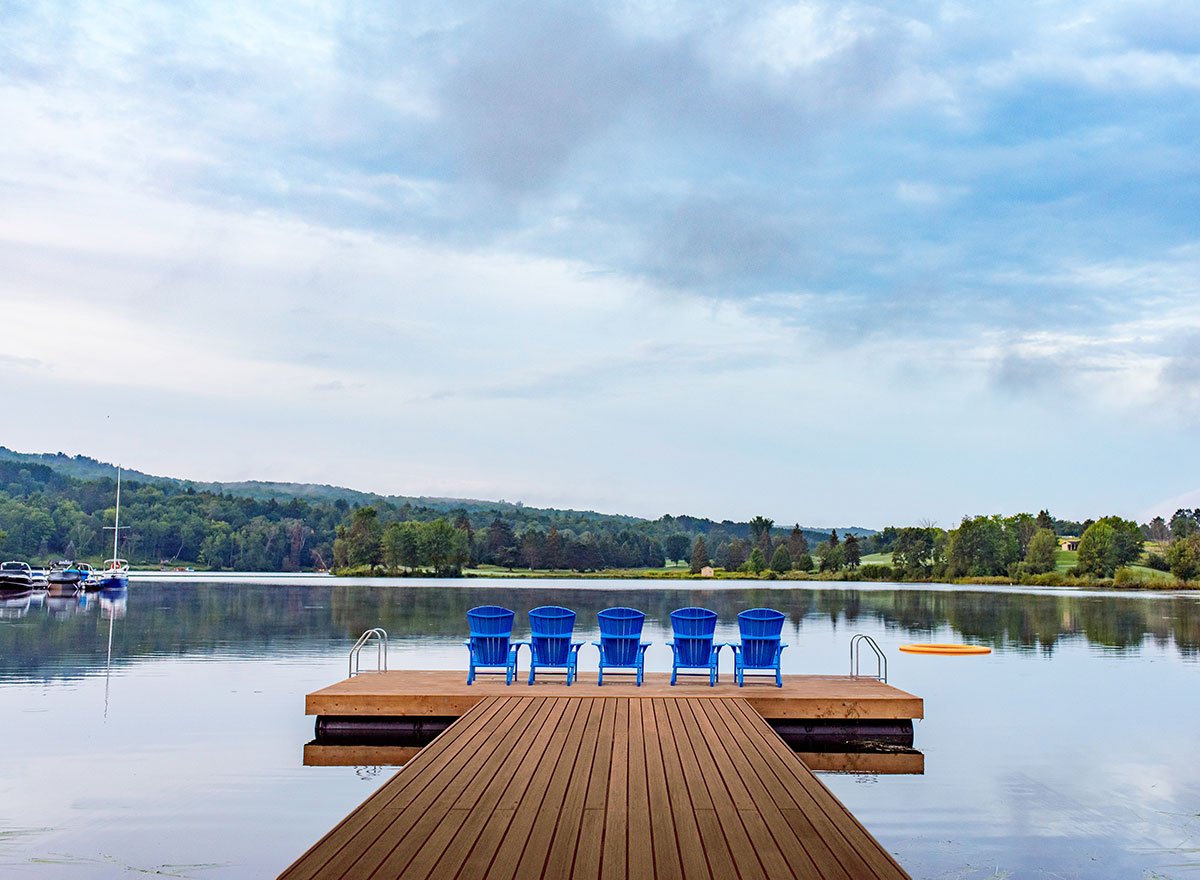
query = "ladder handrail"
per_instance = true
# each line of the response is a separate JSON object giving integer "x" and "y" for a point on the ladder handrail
{"x": 856, "y": 644}
{"x": 380, "y": 636}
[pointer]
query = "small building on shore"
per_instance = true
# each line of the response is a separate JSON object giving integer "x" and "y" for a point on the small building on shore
{"x": 1071, "y": 544}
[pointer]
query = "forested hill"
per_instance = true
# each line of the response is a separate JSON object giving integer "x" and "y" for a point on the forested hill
{"x": 54, "y": 505}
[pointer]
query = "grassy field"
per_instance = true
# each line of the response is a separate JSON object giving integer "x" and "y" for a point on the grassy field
{"x": 877, "y": 559}
{"x": 1065, "y": 560}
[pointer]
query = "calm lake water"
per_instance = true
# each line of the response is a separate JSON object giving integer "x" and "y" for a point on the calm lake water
{"x": 1072, "y": 751}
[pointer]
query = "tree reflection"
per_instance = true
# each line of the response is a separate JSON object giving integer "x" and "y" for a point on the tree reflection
{"x": 206, "y": 618}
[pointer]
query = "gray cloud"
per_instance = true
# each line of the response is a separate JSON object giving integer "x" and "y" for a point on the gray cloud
{"x": 534, "y": 86}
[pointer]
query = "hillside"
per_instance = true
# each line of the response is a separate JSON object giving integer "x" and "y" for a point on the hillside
{"x": 54, "y": 505}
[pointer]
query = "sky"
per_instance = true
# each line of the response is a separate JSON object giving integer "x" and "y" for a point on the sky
{"x": 831, "y": 263}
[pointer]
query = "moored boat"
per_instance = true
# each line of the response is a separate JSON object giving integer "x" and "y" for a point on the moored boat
{"x": 67, "y": 573}
{"x": 16, "y": 580}
{"x": 115, "y": 574}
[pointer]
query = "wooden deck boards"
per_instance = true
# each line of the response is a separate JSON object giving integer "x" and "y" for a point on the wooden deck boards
{"x": 434, "y": 693}
{"x": 583, "y": 786}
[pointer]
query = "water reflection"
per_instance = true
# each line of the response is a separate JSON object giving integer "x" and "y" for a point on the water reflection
{"x": 1069, "y": 751}
{"x": 197, "y": 618}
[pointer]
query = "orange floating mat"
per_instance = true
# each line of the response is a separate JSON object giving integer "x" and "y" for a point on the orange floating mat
{"x": 953, "y": 650}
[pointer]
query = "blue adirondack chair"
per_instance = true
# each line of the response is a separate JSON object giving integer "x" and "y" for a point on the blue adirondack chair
{"x": 550, "y": 642}
{"x": 760, "y": 648}
{"x": 621, "y": 645}
{"x": 693, "y": 647}
{"x": 491, "y": 644}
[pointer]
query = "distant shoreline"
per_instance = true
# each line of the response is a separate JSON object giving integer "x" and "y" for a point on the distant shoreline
{"x": 799, "y": 579}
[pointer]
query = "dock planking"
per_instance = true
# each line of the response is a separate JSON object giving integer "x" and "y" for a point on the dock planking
{"x": 444, "y": 693}
{"x": 529, "y": 783}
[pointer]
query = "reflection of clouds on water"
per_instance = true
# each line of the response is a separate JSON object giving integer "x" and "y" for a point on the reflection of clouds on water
{"x": 1038, "y": 762}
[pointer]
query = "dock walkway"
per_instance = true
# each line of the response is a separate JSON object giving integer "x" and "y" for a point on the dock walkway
{"x": 601, "y": 786}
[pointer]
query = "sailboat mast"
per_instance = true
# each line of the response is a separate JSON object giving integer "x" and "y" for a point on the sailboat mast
{"x": 117, "y": 518}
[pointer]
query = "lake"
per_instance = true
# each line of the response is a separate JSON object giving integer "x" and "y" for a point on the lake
{"x": 163, "y": 734}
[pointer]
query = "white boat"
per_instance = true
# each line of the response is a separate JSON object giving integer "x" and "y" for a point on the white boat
{"x": 16, "y": 580}
{"x": 115, "y": 574}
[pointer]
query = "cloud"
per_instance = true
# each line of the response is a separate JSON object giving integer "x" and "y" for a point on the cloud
{"x": 594, "y": 214}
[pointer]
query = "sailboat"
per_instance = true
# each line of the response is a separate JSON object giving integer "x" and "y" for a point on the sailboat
{"x": 115, "y": 575}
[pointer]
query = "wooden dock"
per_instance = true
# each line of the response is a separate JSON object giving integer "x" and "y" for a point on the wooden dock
{"x": 441, "y": 693}
{"x": 598, "y": 783}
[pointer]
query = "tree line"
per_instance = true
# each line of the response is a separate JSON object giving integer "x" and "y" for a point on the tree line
{"x": 46, "y": 514}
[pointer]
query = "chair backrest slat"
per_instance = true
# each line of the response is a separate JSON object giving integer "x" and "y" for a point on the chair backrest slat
{"x": 620, "y": 635}
{"x": 693, "y": 630}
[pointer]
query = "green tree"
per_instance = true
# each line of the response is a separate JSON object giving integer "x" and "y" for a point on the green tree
{"x": 980, "y": 547}
{"x": 364, "y": 544}
{"x": 401, "y": 545}
{"x": 797, "y": 543}
{"x": 804, "y": 562}
{"x": 676, "y": 547}
{"x": 760, "y": 526}
{"x": 1023, "y": 526}
{"x": 501, "y": 545}
{"x": 444, "y": 547}
{"x": 851, "y": 551}
{"x": 1184, "y": 557}
{"x": 760, "y": 534}
{"x": 830, "y": 556}
{"x": 733, "y": 554}
{"x": 913, "y": 553}
{"x": 1113, "y": 543}
{"x": 781, "y": 559}
{"x": 552, "y": 549}
{"x": 1044, "y": 520}
{"x": 1158, "y": 530}
{"x": 1041, "y": 555}
{"x": 755, "y": 563}
{"x": 1185, "y": 523}
{"x": 699, "y": 555}
{"x": 1098, "y": 552}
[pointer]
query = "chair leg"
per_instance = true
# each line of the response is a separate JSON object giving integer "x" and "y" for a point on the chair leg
{"x": 532, "y": 670}
{"x": 674, "y": 670}
{"x": 471, "y": 674}
{"x": 600, "y": 677}
{"x": 778, "y": 678}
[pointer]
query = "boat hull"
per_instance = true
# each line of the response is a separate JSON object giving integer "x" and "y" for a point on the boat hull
{"x": 111, "y": 582}
{"x": 13, "y": 584}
